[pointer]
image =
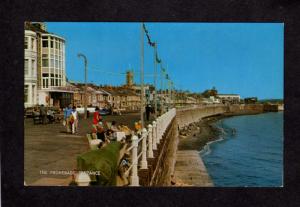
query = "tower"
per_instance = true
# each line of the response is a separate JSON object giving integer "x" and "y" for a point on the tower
{"x": 129, "y": 78}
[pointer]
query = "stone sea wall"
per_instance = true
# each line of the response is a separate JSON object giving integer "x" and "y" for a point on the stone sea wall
{"x": 187, "y": 116}
{"x": 184, "y": 117}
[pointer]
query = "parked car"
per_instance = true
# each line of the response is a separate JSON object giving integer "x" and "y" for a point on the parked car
{"x": 105, "y": 111}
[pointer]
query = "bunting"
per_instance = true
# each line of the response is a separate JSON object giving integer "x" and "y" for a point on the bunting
{"x": 152, "y": 44}
{"x": 157, "y": 59}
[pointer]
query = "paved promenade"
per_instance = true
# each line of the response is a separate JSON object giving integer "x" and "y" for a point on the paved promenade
{"x": 190, "y": 169}
{"x": 49, "y": 148}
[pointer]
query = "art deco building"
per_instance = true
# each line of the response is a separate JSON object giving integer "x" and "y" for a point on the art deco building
{"x": 49, "y": 66}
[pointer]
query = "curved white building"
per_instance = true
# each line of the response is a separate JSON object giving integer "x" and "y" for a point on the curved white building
{"x": 30, "y": 68}
{"x": 53, "y": 61}
{"x": 45, "y": 72}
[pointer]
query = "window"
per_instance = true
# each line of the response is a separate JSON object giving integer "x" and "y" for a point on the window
{"x": 45, "y": 43}
{"x": 56, "y": 45}
{"x": 33, "y": 67}
{"x": 56, "y": 63}
{"x": 26, "y": 43}
{"x": 32, "y": 93}
{"x": 52, "y": 81}
{"x": 45, "y": 55}
{"x": 32, "y": 43}
{"x": 51, "y": 63}
{"x": 45, "y": 82}
{"x": 45, "y": 75}
{"x": 26, "y": 67}
{"x": 26, "y": 93}
{"x": 56, "y": 82}
{"x": 51, "y": 43}
{"x": 45, "y": 63}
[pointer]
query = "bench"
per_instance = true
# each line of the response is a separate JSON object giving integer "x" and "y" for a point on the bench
{"x": 93, "y": 143}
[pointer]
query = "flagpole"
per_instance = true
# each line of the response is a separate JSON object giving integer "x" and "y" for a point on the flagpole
{"x": 155, "y": 74}
{"x": 142, "y": 76}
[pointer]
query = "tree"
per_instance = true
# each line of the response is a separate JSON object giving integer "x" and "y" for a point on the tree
{"x": 210, "y": 92}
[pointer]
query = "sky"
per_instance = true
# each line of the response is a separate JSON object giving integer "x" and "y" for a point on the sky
{"x": 235, "y": 58}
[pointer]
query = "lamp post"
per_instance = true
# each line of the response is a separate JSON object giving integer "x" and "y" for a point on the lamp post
{"x": 85, "y": 81}
{"x": 162, "y": 101}
{"x": 142, "y": 76}
{"x": 155, "y": 73}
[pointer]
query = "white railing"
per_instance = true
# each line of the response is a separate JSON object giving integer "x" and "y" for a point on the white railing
{"x": 142, "y": 148}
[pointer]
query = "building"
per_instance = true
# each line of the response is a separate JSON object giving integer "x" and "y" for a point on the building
{"x": 50, "y": 67}
{"x": 250, "y": 100}
{"x": 30, "y": 68}
{"x": 229, "y": 98}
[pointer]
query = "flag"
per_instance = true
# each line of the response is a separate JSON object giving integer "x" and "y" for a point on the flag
{"x": 152, "y": 44}
{"x": 157, "y": 59}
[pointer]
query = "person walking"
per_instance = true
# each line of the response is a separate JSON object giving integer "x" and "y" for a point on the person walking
{"x": 148, "y": 110}
{"x": 43, "y": 114}
{"x": 67, "y": 116}
{"x": 96, "y": 118}
{"x": 74, "y": 114}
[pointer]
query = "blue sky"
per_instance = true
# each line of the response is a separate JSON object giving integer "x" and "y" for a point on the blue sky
{"x": 242, "y": 58}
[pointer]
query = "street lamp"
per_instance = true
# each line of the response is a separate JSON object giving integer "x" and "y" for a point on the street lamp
{"x": 85, "y": 81}
{"x": 155, "y": 74}
{"x": 142, "y": 75}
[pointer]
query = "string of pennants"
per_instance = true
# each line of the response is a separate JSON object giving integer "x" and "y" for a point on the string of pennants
{"x": 153, "y": 44}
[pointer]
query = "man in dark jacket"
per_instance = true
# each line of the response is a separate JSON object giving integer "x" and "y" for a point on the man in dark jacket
{"x": 43, "y": 114}
{"x": 148, "y": 110}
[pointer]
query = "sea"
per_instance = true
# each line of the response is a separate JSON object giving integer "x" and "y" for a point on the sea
{"x": 248, "y": 153}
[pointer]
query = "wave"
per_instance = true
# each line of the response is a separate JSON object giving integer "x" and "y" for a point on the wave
{"x": 206, "y": 149}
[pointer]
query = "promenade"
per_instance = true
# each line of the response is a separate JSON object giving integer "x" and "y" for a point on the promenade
{"x": 48, "y": 149}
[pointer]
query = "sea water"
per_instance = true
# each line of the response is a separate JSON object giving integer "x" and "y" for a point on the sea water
{"x": 249, "y": 152}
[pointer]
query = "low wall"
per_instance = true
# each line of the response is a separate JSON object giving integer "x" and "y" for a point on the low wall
{"x": 246, "y": 108}
{"x": 188, "y": 116}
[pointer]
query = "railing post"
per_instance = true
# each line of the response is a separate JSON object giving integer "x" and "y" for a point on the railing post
{"x": 150, "y": 146}
{"x": 82, "y": 179}
{"x": 144, "y": 164}
{"x": 158, "y": 129}
{"x": 154, "y": 136}
{"x": 134, "y": 179}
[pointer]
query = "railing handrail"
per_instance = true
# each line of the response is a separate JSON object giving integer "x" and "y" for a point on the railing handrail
{"x": 157, "y": 129}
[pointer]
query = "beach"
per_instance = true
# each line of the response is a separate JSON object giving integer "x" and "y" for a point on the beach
{"x": 196, "y": 135}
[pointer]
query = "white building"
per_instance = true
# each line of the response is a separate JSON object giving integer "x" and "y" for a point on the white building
{"x": 52, "y": 73}
{"x": 44, "y": 86}
{"x": 30, "y": 68}
{"x": 229, "y": 98}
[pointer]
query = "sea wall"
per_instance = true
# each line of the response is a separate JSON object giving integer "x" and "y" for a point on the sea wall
{"x": 187, "y": 116}
{"x": 246, "y": 109}
{"x": 166, "y": 162}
